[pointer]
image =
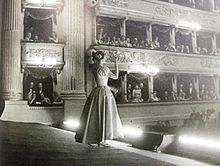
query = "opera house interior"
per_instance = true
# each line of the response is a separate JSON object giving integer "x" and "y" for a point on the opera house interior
{"x": 168, "y": 52}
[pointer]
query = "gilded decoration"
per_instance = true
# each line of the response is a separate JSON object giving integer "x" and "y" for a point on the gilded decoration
{"x": 210, "y": 63}
{"x": 139, "y": 58}
{"x": 116, "y": 3}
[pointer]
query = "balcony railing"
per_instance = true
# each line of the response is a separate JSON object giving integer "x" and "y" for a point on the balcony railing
{"x": 42, "y": 55}
{"x": 134, "y": 60}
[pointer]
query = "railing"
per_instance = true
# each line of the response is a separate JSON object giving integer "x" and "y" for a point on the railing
{"x": 42, "y": 55}
{"x": 134, "y": 60}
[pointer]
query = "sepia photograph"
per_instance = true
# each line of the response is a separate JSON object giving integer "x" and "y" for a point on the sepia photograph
{"x": 109, "y": 82}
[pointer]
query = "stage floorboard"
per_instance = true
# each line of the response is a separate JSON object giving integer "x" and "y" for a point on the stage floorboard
{"x": 26, "y": 144}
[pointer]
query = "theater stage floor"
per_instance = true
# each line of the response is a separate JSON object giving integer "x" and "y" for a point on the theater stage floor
{"x": 25, "y": 144}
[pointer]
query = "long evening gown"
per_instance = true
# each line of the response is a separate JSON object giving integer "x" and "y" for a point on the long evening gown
{"x": 100, "y": 120}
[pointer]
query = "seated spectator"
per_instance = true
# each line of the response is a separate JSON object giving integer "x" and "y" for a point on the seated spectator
{"x": 181, "y": 48}
{"x": 166, "y": 96}
{"x": 108, "y": 41}
{"x": 198, "y": 51}
{"x": 136, "y": 95}
{"x": 204, "y": 51}
{"x": 156, "y": 44}
{"x": 142, "y": 44}
{"x": 135, "y": 43}
{"x": 187, "y": 50}
{"x": 119, "y": 42}
{"x": 45, "y": 100}
{"x": 148, "y": 44}
{"x": 53, "y": 37}
{"x": 36, "y": 39}
{"x": 99, "y": 39}
{"x": 33, "y": 100}
{"x": 206, "y": 95}
{"x": 173, "y": 96}
{"x": 123, "y": 42}
{"x": 128, "y": 42}
{"x": 114, "y": 41}
{"x": 154, "y": 97}
{"x": 28, "y": 37}
{"x": 202, "y": 92}
{"x": 182, "y": 94}
{"x": 212, "y": 95}
{"x": 170, "y": 47}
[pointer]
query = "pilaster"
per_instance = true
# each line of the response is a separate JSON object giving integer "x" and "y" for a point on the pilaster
{"x": 11, "y": 77}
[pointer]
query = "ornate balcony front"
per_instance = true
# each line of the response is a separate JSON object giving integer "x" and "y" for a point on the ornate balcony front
{"x": 42, "y": 55}
{"x": 134, "y": 60}
{"x": 160, "y": 12}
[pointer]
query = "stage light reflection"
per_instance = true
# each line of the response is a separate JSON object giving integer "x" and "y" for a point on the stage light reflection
{"x": 132, "y": 132}
{"x": 71, "y": 124}
{"x": 200, "y": 142}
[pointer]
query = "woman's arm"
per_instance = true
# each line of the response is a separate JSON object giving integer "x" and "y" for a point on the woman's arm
{"x": 112, "y": 75}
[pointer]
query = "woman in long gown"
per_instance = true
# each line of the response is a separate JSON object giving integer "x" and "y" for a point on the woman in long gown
{"x": 100, "y": 120}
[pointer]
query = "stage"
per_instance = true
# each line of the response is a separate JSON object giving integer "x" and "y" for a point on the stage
{"x": 30, "y": 144}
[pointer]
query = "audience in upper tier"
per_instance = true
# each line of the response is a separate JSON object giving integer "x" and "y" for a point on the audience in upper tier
{"x": 123, "y": 41}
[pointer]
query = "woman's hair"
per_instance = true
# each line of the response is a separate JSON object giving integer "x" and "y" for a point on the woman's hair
{"x": 96, "y": 57}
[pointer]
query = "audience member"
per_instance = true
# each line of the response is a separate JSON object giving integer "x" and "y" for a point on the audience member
{"x": 136, "y": 95}
{"x": 129, "y": 93}
{"x": 53, "y": 37}
{"x": 154, "y": 97}
{"x": 170, "y": 47}
{"x": 156, "y": 44}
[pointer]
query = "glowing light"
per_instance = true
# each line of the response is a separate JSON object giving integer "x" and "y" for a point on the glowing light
{"x": 186, "y": 24}
{"x": 152, "y": 70}
{"x": 202, "y": 142}
{"x": 71, "y": 124}
{"x": 132, "y": 132}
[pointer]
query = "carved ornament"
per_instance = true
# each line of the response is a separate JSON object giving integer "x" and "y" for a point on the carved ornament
{"x": 116, "y": 3}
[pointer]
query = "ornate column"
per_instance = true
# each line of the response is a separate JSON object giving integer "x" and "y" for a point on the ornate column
{"x": 196, "y": 86}
{"x": 211, "y": 5}
{"x": 73, "y": 72}
{"x": 172, "y": 35}
{"x": 216, "y": 85}
{"x": 123, "y": 27}
{"x": 214, "y": 44}
{"x": 194, "y": 42}
{"x": 73, "y": 89}
{"x": 174, "y": 83}
{"x": 11, "y": 77}
{"x": 150, "y": 85}
{"x": 124, "y": 88}
{"x": 149, "y": 31}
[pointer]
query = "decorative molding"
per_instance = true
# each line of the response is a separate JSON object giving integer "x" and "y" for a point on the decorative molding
{"x": 42, "y": 55}
{"x": 210, "y": 63}
{"x": 132, "y": 59}
{"x": 139, "y": 58}
{"x": 116, "y": 3}
{"x": 160, "y": 12}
